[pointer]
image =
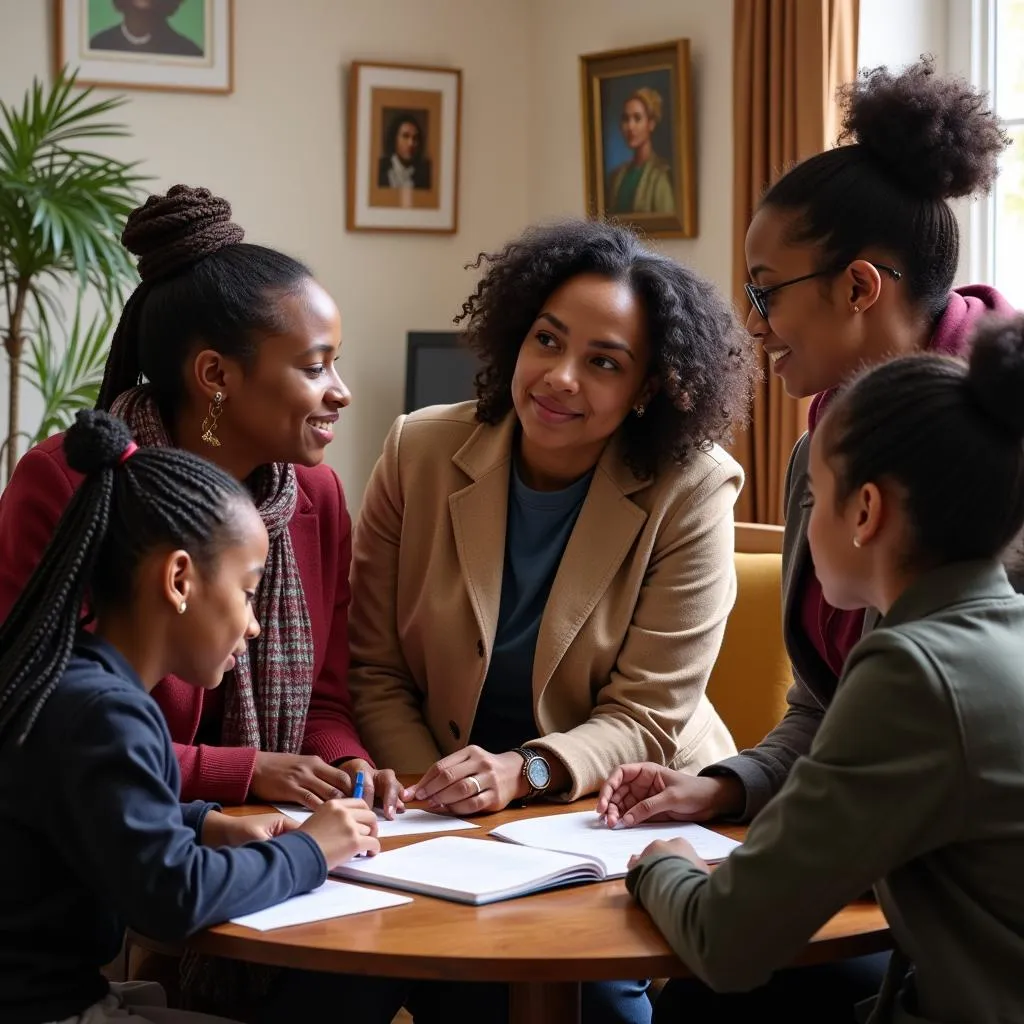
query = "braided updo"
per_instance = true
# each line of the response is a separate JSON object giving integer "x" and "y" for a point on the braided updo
{"x": 200, "y": 282}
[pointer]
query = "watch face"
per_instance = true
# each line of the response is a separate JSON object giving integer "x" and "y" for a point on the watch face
{"x": 538, "y": 774}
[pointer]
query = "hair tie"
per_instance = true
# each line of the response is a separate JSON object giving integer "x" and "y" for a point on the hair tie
{"x": 128, "y": 453}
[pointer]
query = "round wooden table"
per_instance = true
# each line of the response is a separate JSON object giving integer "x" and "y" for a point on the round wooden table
{"x": 543, "y": 945}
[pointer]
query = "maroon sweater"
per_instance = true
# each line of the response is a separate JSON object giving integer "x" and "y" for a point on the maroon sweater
{"x": 321, "y": 532}
{"x": 834, "y": 632}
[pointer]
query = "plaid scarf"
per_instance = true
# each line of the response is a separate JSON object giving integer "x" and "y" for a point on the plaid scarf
{"x": 267, "y": 695}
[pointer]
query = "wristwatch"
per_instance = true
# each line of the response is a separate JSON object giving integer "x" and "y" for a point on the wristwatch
{"x": 536, "y": 771}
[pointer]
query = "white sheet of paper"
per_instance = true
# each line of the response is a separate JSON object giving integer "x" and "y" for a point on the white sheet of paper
{"x": 409, "y": 823}
{"x": 332, "y": 899}
{"x": 582, "y": 832}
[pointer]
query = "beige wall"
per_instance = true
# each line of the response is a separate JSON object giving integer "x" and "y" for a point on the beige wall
{"x": 560, "y": 31}
{"x": 275, "y": 148}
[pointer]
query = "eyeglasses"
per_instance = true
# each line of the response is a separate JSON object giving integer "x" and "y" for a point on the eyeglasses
{"x": 759, "y": 296}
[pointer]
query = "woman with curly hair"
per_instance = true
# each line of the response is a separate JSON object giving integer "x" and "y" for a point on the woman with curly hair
{"x": 542, "y": 577}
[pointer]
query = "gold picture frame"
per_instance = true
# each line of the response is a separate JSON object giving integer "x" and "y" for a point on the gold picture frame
{"x": 402, "y": 160}
{"x": 638, "y": 138}
{"x": 187, "y": 49}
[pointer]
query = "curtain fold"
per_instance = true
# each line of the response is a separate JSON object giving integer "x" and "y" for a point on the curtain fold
{"x": 789, "y": 58}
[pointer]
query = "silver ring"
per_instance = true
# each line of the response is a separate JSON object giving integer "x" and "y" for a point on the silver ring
{"x": 476, "y": 782}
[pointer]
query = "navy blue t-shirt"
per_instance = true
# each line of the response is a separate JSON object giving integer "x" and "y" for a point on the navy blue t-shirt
{"x": 538, "y": 530}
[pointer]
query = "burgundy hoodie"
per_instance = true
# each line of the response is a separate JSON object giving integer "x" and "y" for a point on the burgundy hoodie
{"x": 834, "y": 632}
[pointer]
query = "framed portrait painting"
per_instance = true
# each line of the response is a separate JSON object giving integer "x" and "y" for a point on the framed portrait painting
{"x": 181, "y": 45}
{"x": 403, "y": 148}
{"x": 638, "y": 138}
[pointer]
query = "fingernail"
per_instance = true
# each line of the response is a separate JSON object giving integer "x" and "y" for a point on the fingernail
{"x": 628, "y": 819}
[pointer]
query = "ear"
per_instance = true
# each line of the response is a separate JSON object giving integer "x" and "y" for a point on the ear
{"x": 178, "y": 576}
{"x": 650, "y": 388}
{"x": 213, "y": 371}
{"x": 862, "y": 284}
{"x": 869, "y": 514}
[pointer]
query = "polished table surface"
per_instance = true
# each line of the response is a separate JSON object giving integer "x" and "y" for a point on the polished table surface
{"x": 544, "y": 944}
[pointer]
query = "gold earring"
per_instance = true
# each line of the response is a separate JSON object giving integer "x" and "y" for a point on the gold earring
{"x": 182, "y": 608}
{"x": 856, "y": 542}
{"x": 210, "y": 423}
{"x": 856, "y": 309}
{"x": 639, "y": 410}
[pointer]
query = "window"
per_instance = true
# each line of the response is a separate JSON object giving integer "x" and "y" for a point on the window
{"x": 1007, "y": 207}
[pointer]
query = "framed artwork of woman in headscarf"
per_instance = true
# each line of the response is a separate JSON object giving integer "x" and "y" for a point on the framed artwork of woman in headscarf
{"x": 638, "y": 138}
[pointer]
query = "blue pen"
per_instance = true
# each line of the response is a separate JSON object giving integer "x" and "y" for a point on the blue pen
{"x": 357, "y": 789}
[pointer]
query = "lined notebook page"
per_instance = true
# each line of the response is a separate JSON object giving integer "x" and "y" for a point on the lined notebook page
{"x": 469, "y": 870}
{"x": 584, "y": 833}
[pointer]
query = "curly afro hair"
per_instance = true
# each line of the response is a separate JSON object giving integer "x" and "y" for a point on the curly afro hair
{"x": 917, "y": 139}
{"x": 700, "y": 356}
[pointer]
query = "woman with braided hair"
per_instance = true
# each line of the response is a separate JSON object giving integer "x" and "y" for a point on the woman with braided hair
{"x": 169, "y": 551}
{"x": 237, "y": 344}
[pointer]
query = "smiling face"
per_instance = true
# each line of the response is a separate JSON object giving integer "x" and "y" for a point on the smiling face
{"x": 636, "y": 124}
{"x": 284, "y": 406}
{"x": 581, "y": 370}
{"x": 811, "y": 340}
{"x": 207, "y": 638}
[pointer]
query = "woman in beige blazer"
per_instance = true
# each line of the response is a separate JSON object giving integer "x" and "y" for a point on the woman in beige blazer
{"x": 611, "y": 370}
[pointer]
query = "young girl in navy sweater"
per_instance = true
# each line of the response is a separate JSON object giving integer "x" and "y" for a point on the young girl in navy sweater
{"x": 166, "y": 550}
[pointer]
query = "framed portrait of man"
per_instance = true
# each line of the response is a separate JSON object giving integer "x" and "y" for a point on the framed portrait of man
{"x": 180, "y": 45}
{"x": 403, "y": 148}
{"x": 638, "y": 138}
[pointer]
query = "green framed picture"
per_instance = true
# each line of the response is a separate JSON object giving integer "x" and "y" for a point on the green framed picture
{"x": 182, "y": 45}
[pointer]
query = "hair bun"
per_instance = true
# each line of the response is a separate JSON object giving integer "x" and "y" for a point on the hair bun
{"x": 934, "y": 134}
{"x": 995, "y": 376}
{"x": 95, "y": 441}
{"x": 173, "y": 231}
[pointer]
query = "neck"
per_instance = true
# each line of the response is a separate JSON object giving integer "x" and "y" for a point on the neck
{"x": 136, "y": 645}
{"x": 545, "y": 470}
{"x": 642, "y": 153}
{"x": 888, "y": 583}
{"x": 186, "y": 433}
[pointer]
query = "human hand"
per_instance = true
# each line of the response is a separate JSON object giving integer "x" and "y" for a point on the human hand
{"x": 297, "y": 779}
{"x": 635, "y": 793}
{"x": 380, "y": 785}
{"x": 672, "y": 847}
{"x": 343, "y": 829}
{"x": 221, "y": 829}
{"x": 471, "y": 781}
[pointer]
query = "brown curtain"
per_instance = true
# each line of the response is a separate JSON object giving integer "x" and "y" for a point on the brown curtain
{"x": 789, "y": 57}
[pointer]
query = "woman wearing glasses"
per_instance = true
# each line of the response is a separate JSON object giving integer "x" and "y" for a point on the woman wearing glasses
{"x": 852, "y": 256}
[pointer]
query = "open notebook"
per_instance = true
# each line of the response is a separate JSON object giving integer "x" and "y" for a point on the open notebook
{"x": 478, "y": 872}
{"x": 584, "y": 834}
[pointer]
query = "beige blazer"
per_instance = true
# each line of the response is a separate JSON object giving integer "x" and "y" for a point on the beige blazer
{"x": 630, "y": 632}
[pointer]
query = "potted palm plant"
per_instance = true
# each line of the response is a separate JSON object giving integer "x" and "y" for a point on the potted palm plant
{"x": 62, "y": 209}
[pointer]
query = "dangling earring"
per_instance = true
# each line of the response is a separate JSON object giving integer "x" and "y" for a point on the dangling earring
{"x": 182, "y": 608}
{"x": 639, "y": 410}
{"x": 856, "y": 542}
{"x": 210, "y": 423}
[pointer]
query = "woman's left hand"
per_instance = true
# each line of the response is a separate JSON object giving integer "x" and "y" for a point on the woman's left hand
{"x": 673, "y": 847}
{"x": 380, "y": 785}
{"x": 471, "y": 781}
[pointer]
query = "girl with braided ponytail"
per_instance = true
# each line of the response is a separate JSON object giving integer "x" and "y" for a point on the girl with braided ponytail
{"x": 914, "y": 784}
{"x": 236, "y": 345}
{"x": 168, "y": 550}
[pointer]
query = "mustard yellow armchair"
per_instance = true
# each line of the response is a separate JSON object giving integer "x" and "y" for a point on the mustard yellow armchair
{"x": 752, "y": 674}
